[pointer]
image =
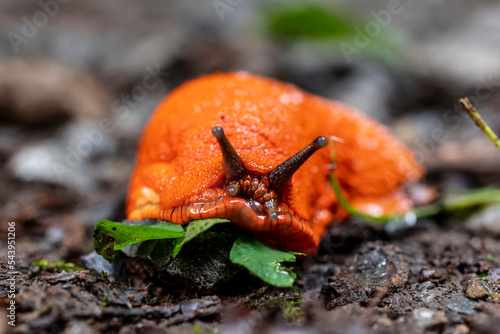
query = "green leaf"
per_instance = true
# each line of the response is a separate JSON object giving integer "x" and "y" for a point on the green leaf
{"x": 110, "y": 236}
{"x": 310, "y": 22}
{"x": 263, "y": 261}
{"x": 194, "y": 228}
{"x": 341, "y": 32}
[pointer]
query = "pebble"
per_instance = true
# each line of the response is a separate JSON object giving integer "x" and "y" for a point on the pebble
{"x": 78, "y": 327}
{"x": 461, "y": 329}
{"x": 459, "y": 303}
{"x": 486, "y": 220}
{"x": 65, "y": 159}
{"x": 428, "y": 295}
{"x": 477, "y": 289}
{"x": 430, "y": 319}
{"x": 376, "y": 269}
{"x": 431, "y": 274}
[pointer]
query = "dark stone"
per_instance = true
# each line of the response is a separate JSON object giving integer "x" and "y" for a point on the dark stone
{"x": 377, "y": 268}
{"x": 341, "y": 292}
{"x": 202, "y": 265}
{"x": 459, "y": 304}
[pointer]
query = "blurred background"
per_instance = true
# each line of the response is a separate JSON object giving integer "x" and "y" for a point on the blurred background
{"x": 79, "y": 79}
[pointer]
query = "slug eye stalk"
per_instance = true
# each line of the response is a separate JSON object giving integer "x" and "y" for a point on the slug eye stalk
{"x": 232, "y": 162}
{"x": 284, "y": 171}
{"x": 267, "y": 185}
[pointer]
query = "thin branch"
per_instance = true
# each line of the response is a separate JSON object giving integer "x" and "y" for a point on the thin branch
{"x": 472, "y": 112}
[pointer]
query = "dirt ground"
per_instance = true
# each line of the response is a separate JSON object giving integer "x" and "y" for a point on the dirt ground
{"x": 435, "y": 277}
{"x": 63, "y": 86}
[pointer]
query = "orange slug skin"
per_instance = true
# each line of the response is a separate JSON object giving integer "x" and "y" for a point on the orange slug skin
{"x": 180, "y": 173}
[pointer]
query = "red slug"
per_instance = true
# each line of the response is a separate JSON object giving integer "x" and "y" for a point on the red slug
{"x": 250, "y": 149}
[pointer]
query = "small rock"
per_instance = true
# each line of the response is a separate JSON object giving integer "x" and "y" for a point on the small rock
{"x": 376, "y": 269}
{"x": 425, "y": 286}
{"x": 341, "y": 292}
{"x": 114, "y": 271}
{"x": 200, "y": 307}
{"x": 487, "y": 220}
{"x": 429, "y": 294}
{"x": 67, "y": 158}
{"x": 494, "y": 275}
{"x": 460, "y": 304}
{"x": 431, "y": 274}
{"x": 477, "y": 289}
{"x": 379, "y": 265}
{"x": 366, "y": 88}
{"x": 461, "y": 329}
{"x": 77, "y": 327}
{"x": 430, "y": 319}
{"x": 384, "y": 321}
{"x": 483, "y": 322}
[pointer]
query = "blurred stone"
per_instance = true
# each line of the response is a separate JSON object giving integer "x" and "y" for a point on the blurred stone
{"x": 88, "y": 140}
{"x": 473, "y": 151}
{"x": 65, "y": 159}
{"x": 41, "y": 92}
{"x": 494, "y": 276}
{"x": 77, "y": 327}
{"x": 54, "y": 236}
{"x": 114, "y": 271}
{"x": 430, "y": 319}
{"x": 367, "y": 89}
{"x": 422, "y": 194}
{"x": 431, "y": 274}
{"x": 428, "y": 294}
{"x": 461, "y": 329}
{"x": 129, "y": 122}
{"x": 459, "y": 303}
{"x": 38, "y": 162}
{"x": 485, "y": 323}
{"x": 486, "y": 220}
{"x": 341, "y": 292}
{"x": 374, "y": 271}
{"x": 379, "y": 265}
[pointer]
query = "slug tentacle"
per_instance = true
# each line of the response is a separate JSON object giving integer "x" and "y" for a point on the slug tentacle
{"x": 284, "y": 171}
{"x": 232, "y": 162}
{"x": 261, "y": 189}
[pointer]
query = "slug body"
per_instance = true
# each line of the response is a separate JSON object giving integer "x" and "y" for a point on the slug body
{"x": 243, "y": 147}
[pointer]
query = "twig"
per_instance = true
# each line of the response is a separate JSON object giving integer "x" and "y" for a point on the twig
{"x": 472, "y": 112}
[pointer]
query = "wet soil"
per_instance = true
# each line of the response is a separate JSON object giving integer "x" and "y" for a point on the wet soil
{"x": 435, "y": 277}
{"x": 71, "y": 87}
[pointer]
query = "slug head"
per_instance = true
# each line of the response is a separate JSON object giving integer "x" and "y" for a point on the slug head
{"x": 261, "y": 191}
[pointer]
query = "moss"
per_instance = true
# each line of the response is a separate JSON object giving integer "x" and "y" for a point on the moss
{"x": 59, "y": 265}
